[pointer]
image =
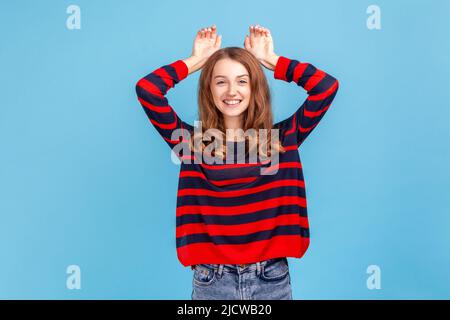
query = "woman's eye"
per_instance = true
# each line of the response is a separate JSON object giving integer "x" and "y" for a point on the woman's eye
{"x": 242, "y": 81}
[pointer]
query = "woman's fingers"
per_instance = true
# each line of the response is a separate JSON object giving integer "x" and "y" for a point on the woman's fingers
{"x": 208, "y": 33}
{"x": 206, "y": 42}
{"x": 259, "y": 31}
{"x": 255, "y": 31}
{"x": 203, "y": 33}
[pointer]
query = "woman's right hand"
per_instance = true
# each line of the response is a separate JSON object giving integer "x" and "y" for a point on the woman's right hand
{"x": 205, "y": 44}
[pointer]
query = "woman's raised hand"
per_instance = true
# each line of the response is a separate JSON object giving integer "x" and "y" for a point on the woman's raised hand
{"x": 260, "y": 44}
{"x": 206, "y": 43}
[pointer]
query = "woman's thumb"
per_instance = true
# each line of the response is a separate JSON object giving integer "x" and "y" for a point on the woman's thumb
{"x": 247, "y": 42}
{"x": 218, "y": 40}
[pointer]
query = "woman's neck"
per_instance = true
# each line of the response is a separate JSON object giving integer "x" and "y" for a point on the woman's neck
{"x": 235, "y": 135}
{"x": 234, "y": 125}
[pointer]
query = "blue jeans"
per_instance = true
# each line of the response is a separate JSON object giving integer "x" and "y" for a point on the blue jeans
{"x": 265, "y": 280}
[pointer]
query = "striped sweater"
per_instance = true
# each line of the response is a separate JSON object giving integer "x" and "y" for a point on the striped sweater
{"x": 231, "y": 213}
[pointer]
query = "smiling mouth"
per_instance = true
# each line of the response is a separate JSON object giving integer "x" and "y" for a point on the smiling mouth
{"x": 232, "y": 103}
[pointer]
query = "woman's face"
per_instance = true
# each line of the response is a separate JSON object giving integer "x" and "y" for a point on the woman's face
{"x": 230, "y": 82}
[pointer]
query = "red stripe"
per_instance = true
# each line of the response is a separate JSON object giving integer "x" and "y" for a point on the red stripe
{"x": 162, "y": 73}
{"x": 313, "y": 114}
{"x": 152, "y": 107}
{"x": 281, "y": 68}
{"x": 283, "y": 166}
{"x": 233, "y": 181}
{"x": 299, "y": 70}
{"x": 293, "y": 126}
{"x": 181, "y": 68}
{"x": 242, "y": 209}
{"x": 171, "y": 141}
{"x": 167, "y": 126}
{"x": 303, "y": 130}
{"x": 278, "y": 246}
{"x": 197, "y": 174}
{"x": 241, "y": 192}
{"x": 291, "y": 147}
{"x": 232, "y": 165}
{"x": 163, "y": 109}
{"x": 191, "y": 173}
{"x": 150, "y": 87}
{"x": 314, "y": 79}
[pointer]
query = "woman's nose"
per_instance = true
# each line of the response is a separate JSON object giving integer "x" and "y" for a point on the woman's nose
{"x": 231, "y": 90}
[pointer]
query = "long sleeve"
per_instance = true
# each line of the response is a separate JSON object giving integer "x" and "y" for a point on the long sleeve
{"x": 151, "y": 91}
{"x": 321, "y": 89}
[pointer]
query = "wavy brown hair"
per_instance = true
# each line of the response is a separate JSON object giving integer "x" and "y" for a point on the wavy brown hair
{"x": 257, "y": 116}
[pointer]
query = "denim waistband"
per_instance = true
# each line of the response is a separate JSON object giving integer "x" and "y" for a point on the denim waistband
{"x": 240, "y": 267}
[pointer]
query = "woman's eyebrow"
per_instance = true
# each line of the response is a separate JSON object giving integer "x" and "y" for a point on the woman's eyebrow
{"x": 242, "y": 75}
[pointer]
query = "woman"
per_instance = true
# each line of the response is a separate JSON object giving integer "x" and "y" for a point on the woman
{"x": 237, "y": 223}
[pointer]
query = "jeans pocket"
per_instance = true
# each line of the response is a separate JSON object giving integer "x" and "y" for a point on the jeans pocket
{"x": 276, "y": 271}
{"x": 204, "y": 276}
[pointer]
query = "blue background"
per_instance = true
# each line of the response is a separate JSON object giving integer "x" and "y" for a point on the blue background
{"x": 85, "y": 179}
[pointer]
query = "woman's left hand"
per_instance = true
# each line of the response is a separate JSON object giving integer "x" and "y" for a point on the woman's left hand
{"x": 260, "y": 44}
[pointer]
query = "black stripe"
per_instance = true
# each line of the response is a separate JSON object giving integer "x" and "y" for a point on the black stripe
{"x": 323, "y": 85}
{"x": 157, "y": 81}
{"x": 290, "y": 70}
{"x": 172, "y": 73}
{"x": 165, "y": 118}
{"x": 204, "y": 200}
{"x": 240, "y": 218}
{"x": 307, "y": 74}
{"x": 150, "y": 97}
{"x": 244, "y": 239}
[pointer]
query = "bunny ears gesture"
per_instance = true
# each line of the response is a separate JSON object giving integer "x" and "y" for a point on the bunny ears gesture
{"x": 259, "y": 43}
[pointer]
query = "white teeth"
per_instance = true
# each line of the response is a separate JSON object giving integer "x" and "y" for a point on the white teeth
{"x": 232, "y": 101}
